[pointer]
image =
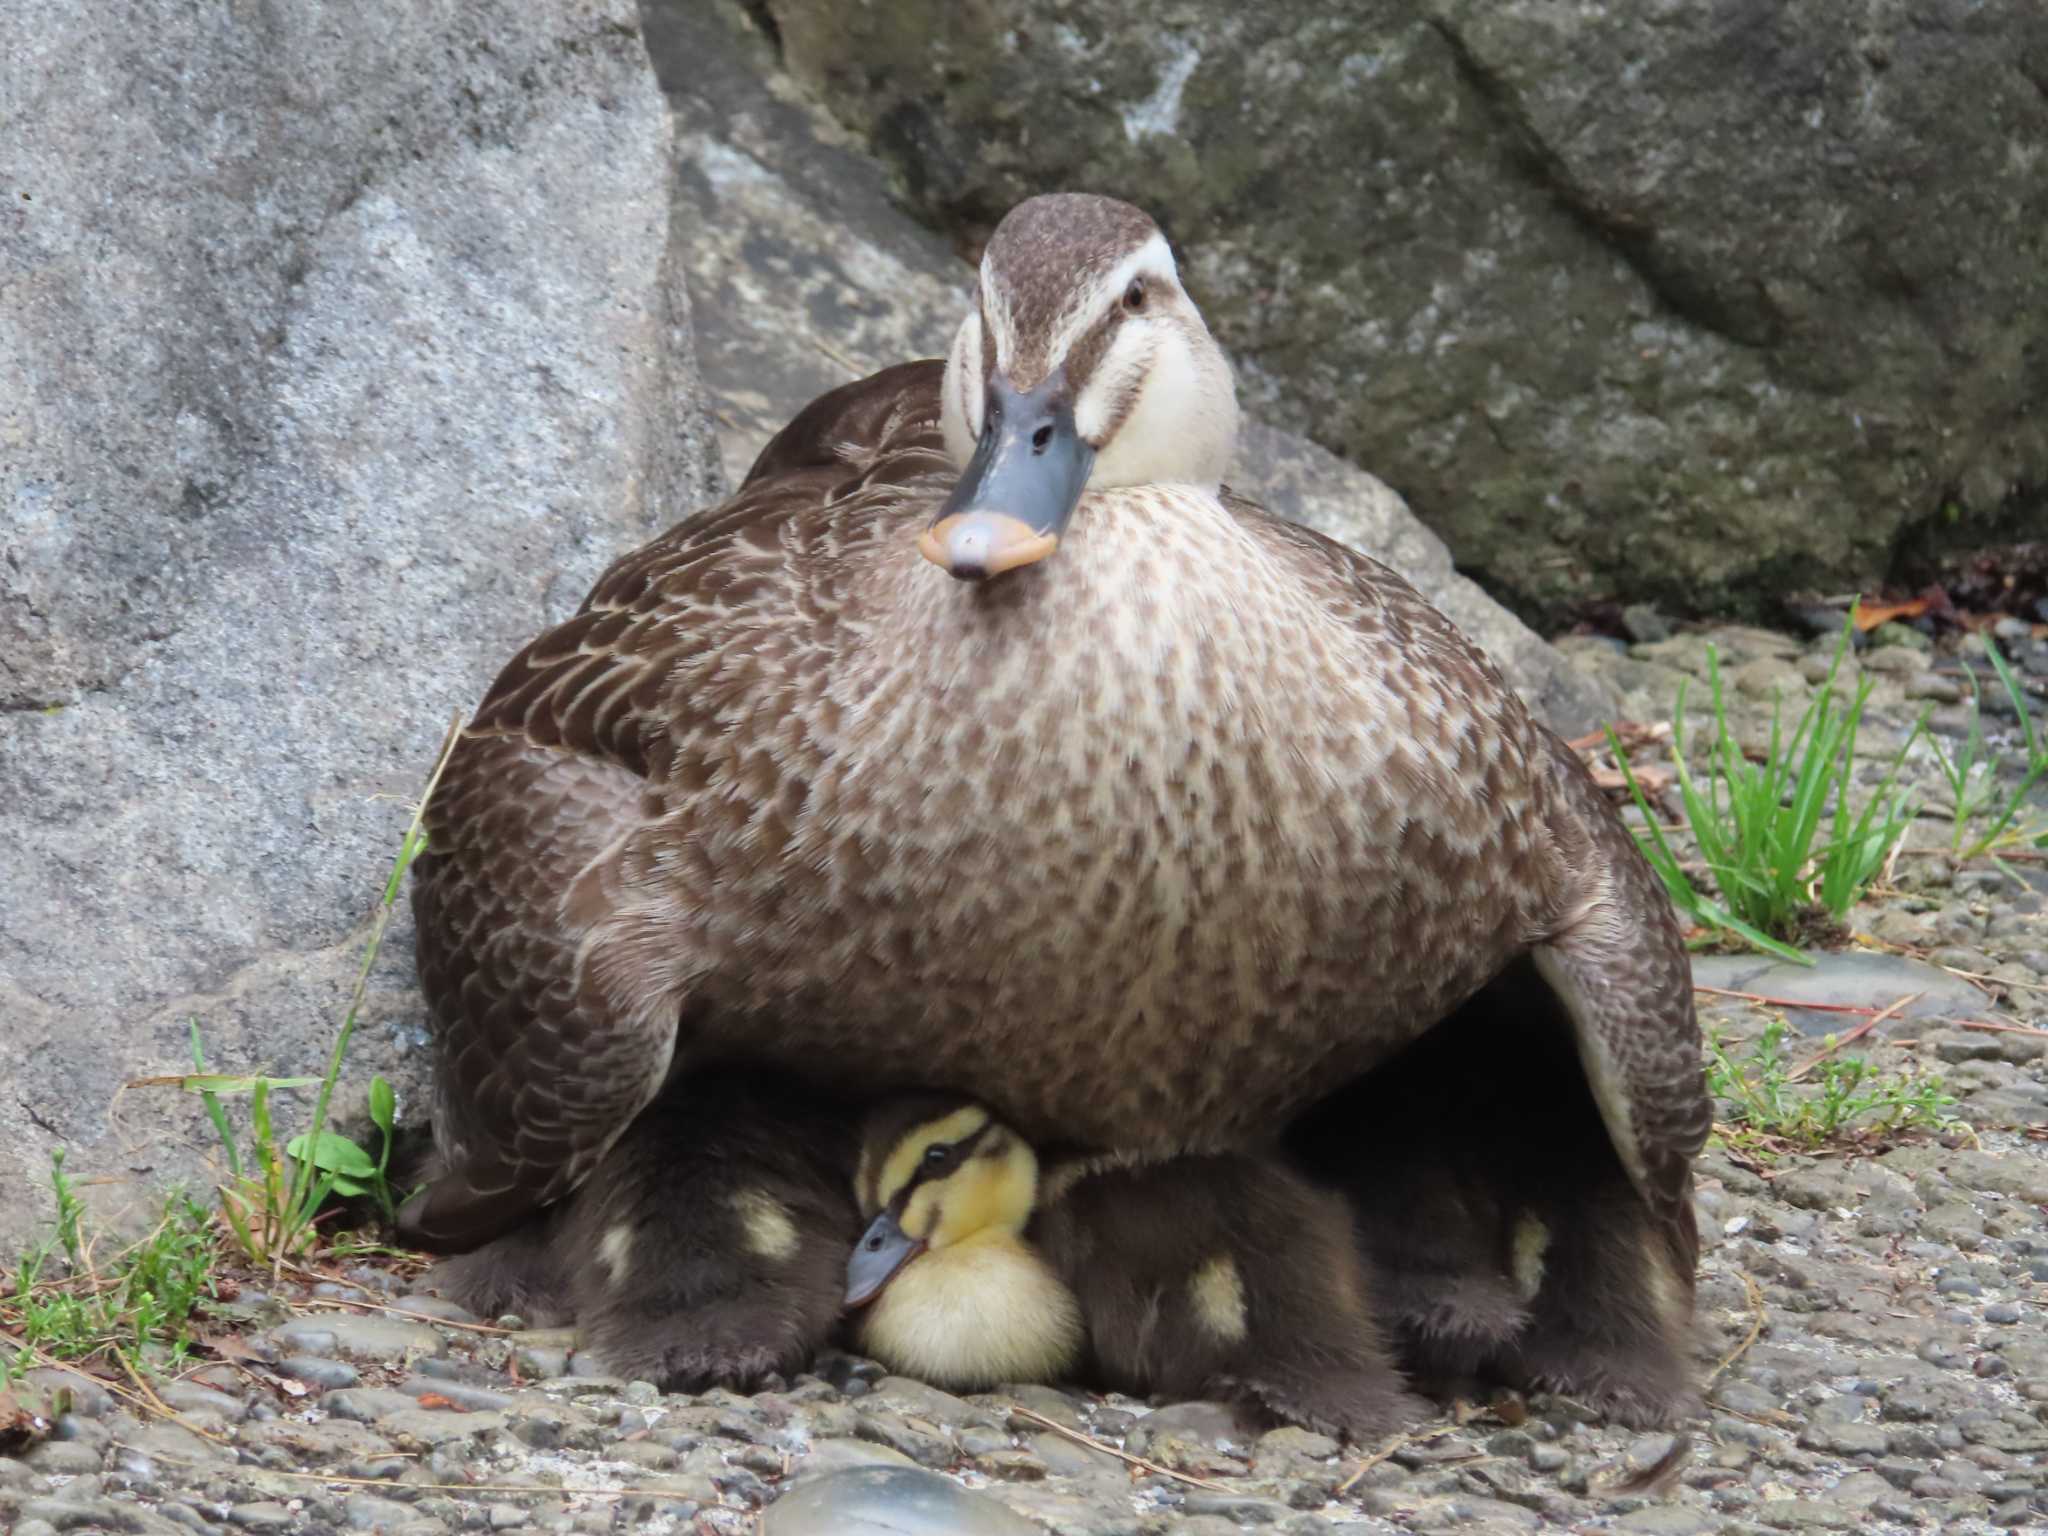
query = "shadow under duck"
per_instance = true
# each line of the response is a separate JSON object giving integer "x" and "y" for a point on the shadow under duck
{"x": 1219, "y": 1275}
{"x": 983, "y": 742}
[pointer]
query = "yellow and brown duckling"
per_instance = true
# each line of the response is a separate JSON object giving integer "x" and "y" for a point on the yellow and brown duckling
{"x": 707, "y": 1249}
{"x": 1224, "y": 1275}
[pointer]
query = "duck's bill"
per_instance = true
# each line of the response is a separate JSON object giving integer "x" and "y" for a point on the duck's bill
{"x": 882, "y": 1251}
{"x": 1018, "y": 491}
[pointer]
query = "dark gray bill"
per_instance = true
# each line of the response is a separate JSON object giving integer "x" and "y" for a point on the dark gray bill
{"x": 882, "y": 1250}
{"x": 1020, "y": 488}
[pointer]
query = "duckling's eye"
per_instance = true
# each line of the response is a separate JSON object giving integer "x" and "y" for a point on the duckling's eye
{"x": 1134, "y": 296}
{"x": 937, "y": 1159}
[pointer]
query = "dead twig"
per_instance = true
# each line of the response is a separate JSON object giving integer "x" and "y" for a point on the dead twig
{"x": 417, "y": 1317}
{"x": 1996, "y": 981}
{"x": 1782, "y": 1002}
{"x": 1848, "y": 1035}
{"x": 1757, "y": 1318}
{"x": 1120, "y": 1454}
{"x": 2003, "y": 1029}
{"x": 140, "y": 1396}
{"x": 161, "y": 1406}
{"x": 1398, "y": 1443}
{"x": 839, "y": 357}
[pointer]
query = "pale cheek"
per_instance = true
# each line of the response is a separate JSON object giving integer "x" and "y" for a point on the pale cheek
{"x": 1116, "y": 378}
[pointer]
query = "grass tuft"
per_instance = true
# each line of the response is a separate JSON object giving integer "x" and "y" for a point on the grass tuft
{"x": 1759, "y": 826}
{"x": 137, "y": 1304}
{"x": 137, "y": 1307}
{"x": 1972, "y": 774}
{"x": 1768, "y": 1104}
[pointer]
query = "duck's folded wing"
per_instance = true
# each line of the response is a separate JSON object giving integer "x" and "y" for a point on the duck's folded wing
{"x": 553, "y": 975}
{"x": 1618, "y": 963}
{"x": 1598, "y": 921}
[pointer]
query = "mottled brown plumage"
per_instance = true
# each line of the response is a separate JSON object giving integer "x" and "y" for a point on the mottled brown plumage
{"x": 1161, "y": 839}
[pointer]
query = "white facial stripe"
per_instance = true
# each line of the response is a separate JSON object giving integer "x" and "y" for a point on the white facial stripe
{"x": 995, "y": 301}
{"x": 973, "y": 365}
{"x": 1120, "y": 372}
{"x": 1153, "y": 260}
{"x": 961, "y": 403}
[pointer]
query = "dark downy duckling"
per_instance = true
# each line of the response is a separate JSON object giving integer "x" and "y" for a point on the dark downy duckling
{"x": 1507, "y": 1244}
{"x": 708, "y": 1249}
{"x": 1220, "y": 1275}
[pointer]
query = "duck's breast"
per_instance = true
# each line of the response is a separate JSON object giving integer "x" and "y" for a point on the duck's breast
{"x": 1146, "y": 830}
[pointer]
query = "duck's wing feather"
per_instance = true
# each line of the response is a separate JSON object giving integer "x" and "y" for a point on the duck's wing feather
{"x": 542, "y": 1055}
{"x": 1604, "y": 935}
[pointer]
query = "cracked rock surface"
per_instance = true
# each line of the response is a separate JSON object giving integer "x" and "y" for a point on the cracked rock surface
{"x": 339, "y": 350}
{"x": 1693, "y": 302}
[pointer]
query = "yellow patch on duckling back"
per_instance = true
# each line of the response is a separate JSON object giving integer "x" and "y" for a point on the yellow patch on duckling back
{"x": 615, "y": 1251}
{"x": 770, "y": 1234}
{"x": 1531, "y": 1243}
{"x": 1217, "y": 1290}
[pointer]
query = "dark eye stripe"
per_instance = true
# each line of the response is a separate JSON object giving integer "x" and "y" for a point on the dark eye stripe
{"x": 962, "y": 1149}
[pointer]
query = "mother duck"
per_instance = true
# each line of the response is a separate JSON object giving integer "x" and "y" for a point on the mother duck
{"x": 984, "y": 743}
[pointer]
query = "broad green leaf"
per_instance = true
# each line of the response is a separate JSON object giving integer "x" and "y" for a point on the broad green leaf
{"x": 383, "y": 1103}
{"x": 336, "y": 1154}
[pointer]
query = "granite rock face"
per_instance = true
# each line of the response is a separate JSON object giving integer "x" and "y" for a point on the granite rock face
{"x": 805, "y": 275}
{"x": 340, "y": 348}
{"x": 1689, "y": 302}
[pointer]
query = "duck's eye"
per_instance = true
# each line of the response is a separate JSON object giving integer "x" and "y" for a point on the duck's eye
{"x": 1134, "y": 296}
{"x": 937, "y": 1159}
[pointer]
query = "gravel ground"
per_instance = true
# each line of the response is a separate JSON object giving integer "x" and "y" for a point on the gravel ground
{"x": 1870, "y": 1321}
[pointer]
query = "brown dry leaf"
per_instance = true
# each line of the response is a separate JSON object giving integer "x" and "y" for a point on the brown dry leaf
{"x": 20, "y": 1426}
{"x": 1870, "y": 615}
{"x": 1654, "y": 780}
{"x": 228, "y": 1346}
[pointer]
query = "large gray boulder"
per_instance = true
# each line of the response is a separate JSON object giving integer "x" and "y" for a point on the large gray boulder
{"x": 806, "y": 274}
{"x": 340, "y": 348}
{"x": 1688, "y": 301}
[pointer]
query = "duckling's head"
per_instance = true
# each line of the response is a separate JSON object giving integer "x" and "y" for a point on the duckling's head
{"x": 936, "y": 1175}
{"x": 1083, "y": 365}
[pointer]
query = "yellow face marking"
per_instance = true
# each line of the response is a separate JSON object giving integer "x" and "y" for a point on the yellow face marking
{"x": 1217, "y": 1291}
{"x": 1531, "y": 1243}
{"x": 614, "y": 1250}
{"x": 770, "y": 1233}
{"x": 989, "y": 1195}
{"x": 900, "y": 1166}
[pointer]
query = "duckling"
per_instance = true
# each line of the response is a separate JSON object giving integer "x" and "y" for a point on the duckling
{"x": 709, "y": 1247}
{"x": 1505, "y": 1239}
{"x": 946, "y": 1185}
{"x": 1222, "y": 1275}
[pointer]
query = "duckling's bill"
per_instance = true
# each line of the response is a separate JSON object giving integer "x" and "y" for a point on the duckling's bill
{"x": 882, "y": 1251}
{"x": 1020, "y": 488}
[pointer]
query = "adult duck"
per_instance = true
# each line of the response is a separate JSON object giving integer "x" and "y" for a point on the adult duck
{"x": 983, "y": 743}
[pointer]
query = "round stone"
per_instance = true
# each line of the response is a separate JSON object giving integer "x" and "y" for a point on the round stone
{"x": 888, "y": 1501}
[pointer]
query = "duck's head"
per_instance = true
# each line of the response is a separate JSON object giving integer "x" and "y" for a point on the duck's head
{"x": 1083, "y": 365}
{"x": 935, "y": 1175}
